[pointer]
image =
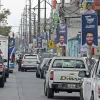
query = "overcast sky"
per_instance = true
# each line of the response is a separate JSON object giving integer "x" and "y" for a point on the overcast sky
{"x": 16, "y": 7}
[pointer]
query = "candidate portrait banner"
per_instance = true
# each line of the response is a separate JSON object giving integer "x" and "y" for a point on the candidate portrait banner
{"x": 62, "y": 31}
{"x": 62, "y": 38}
{"x": 90, "y": 24}
{"x": 34, "y": 43}
{"x": 39, "y": 42}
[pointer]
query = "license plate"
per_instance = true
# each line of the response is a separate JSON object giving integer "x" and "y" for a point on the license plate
{"x": 71, "y": 86}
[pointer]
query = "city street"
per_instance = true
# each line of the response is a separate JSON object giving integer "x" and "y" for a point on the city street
{"x": 25, "y": 86}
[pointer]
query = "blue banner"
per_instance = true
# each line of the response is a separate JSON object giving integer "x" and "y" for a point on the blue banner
{"x": 39, "y": 42}
{"x": 89, "y": 30}
{"x": 79, "y": 43}
{"x": 62, "y": 38}
{"x": 44, "y": 35}
{"x": 62, "y": 33}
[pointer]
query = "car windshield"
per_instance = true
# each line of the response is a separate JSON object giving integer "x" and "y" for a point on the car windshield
{"x": 30, "y": 57}
{"x": 68, "y": 63}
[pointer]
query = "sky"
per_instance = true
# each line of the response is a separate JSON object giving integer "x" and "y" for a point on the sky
{"x": 16, "y": 8}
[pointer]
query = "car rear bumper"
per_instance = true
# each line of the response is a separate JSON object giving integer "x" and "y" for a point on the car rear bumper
{"x": 29, "y": 67}
{"x": 64, "y": 87}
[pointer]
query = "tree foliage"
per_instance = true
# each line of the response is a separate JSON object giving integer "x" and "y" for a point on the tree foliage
{"x": 4, "y": 28}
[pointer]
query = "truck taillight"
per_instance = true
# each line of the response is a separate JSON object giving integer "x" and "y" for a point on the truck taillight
{"x": 98, "y": 92}
{"x": 1, "y": 68}
{"x": 51, "y": 75}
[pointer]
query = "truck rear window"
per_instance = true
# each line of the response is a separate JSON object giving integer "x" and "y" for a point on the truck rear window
{"x": 30, "y": 57}
{"x": 68, "y": 63}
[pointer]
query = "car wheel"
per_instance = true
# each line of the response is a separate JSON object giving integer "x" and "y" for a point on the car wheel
{"x": 37, "y": 75}
{"x": 41, "y": 75}
{"x": 25, "y": 70}
{"x": 7, "y": 75}
{"x": 45, "y": 89}
{"x": 92, "y": 96}
{"x": 18, "y": 69}
{"x": 2, "y": 82}
{"x": 81, "y": 95}
{"x": 5, "y": 79}
{"x": 50, "y": 92}
{"x": 22, "y": 69}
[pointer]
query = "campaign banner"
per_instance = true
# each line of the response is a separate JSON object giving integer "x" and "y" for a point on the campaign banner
{"x": 39, "y": 42}
{"x": 62, "y": 38}
{"x": 44, "y": 35}
{"x": 79, "y": 43}
{"x": 44, "y": 43}
{"x": 34, "y": 43}
{"x": 87, "y": 8}
{"x": 62, "y": 31}
{"x": 89, "y": 30}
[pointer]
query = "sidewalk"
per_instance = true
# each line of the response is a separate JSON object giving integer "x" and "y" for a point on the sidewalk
{"x": 12, "y": 90}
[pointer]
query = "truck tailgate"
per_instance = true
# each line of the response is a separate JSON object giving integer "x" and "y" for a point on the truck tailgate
{"x": 65, "y": 75}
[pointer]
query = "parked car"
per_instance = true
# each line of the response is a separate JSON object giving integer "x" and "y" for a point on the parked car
{"x": 44, "y": 55}
{"x": 44, "y": 69}
{"x": 38, "y": 72}
{"x": 30, "y": 61}
{"x": 2, "y": 72}
{"x": 90, "y": 85}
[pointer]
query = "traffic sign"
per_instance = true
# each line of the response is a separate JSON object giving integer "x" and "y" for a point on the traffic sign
{"x": 51, "y": 44}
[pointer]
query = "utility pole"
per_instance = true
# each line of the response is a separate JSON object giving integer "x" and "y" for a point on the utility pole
{"x": 38, "y": 29}
{"x": 21, "y": 27}
{"x": 30, "y": 26}
{"x": 26, "y": 25}
{"x": 34, "y": 24}
{"x": 45, "y": 17}
{"x": 62, "y": 11}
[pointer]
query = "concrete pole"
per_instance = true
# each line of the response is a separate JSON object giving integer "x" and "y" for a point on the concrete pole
{"x": 38, "y": 30}
{"x": 30, "y": 26}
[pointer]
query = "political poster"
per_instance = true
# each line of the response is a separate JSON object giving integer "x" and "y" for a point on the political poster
{"x": 62, "y": 38}
{"x": 39, "y": 42}
{"x": 87, "y": 7}
{"x": 34, "y": 43}
{"x": 44, "y": 35}
{"x": 89, "y": 30}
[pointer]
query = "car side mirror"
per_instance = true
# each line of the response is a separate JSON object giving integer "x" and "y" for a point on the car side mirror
{"x": 83, "y": 74}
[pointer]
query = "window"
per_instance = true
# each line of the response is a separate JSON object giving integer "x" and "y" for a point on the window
{"x": 68, "y": 63}
{"x": 30, "y": 57}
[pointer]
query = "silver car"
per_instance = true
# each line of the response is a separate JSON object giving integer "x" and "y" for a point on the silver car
{"x": 29, "y": 61}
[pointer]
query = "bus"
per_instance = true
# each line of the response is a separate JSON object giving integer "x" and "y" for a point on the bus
{"x": 12, "y": 52}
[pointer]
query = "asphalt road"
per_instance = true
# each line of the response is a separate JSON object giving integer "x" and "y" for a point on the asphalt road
{"x": 25, "y": 86}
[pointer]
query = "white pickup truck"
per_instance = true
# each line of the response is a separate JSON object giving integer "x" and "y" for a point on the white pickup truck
{"x": 90, "y": 89}
{"x": 62, "y": 75}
